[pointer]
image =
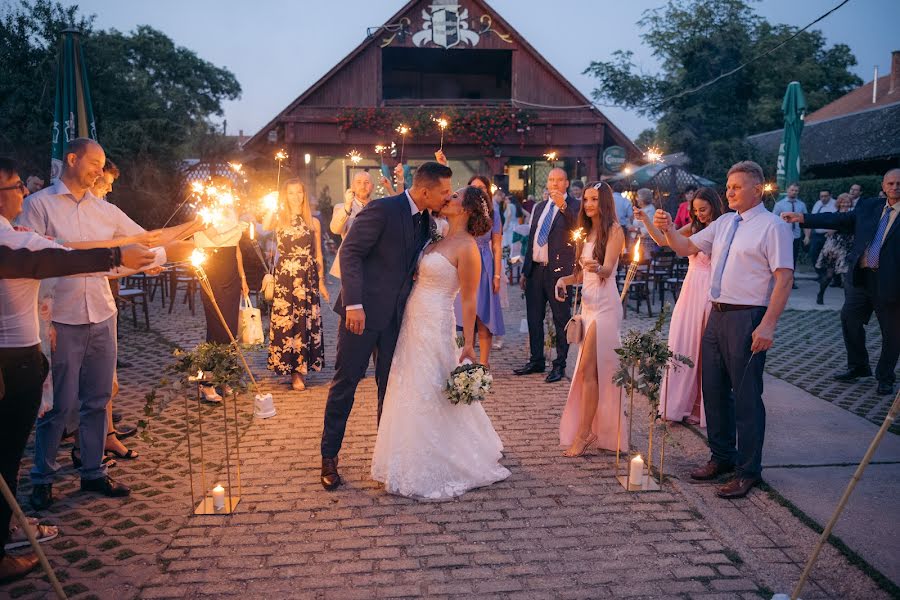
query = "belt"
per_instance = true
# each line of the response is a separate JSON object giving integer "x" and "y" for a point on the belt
{"x": 722, "y": 307}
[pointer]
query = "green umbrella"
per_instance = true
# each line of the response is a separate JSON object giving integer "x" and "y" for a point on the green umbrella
{"x": 794, "y": 107}
{"x": 73, "y": 115}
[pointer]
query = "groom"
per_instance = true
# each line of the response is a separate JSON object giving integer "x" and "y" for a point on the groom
{"x": 377, "y": 259}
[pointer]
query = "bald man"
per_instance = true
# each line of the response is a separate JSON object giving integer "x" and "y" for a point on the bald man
{"x": 550, "y": 254}
{"x": 356, "y": 199}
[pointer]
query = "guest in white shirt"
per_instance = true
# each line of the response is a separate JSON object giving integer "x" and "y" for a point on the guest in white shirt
{"x": 752, "y": 272}
{"x": 624, "y": 209}
{"x": 84, "y": 318}
{"x": 22, "y": 364}
{"x": 645, "y": 201}
{"x": 356, "y": 199}
{"x": 855, "y": 194}
{"x": 792, "y": 203}
{"x": 815, "y": 238}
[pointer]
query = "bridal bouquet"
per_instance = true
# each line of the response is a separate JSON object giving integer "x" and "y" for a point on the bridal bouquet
{"x": 468, "y": 383}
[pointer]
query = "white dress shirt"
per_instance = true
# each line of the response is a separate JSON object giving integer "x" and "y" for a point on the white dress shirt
{"x": 19, "y": 327}
{"x": 541, "y": 254}
{"x": 790, "y": 205}
{"x": 624, "y": 209}
{"x": 762, "y": 243}
{"x": 54, "y": 212}
{"x": 829, "y": 207}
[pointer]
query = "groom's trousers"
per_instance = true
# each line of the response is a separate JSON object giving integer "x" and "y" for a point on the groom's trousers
{"x": 351, "y": 361}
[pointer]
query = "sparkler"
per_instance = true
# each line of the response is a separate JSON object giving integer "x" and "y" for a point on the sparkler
{"x": 578, "y": 234}
{"x": 355, "y": 157}
{"x": 280, "y": 156}
{"x": 442, "y": 123}
{"x": 402, "y": 130}
{"x": 198, "y": 257}
{"x": 632, "y": 269}
{"x": 551, "y": 156}
{"x": 653, "y": 155}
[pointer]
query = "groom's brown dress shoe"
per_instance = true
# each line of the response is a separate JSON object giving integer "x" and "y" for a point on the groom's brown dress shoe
{"x": 711, "y": 470}
{"x": 330, "y": 477}
{"x": 737, "y": 487}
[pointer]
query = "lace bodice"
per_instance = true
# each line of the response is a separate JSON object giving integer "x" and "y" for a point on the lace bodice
{"x": 437, "y": 276}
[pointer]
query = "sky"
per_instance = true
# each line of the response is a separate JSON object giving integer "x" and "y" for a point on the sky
{"x": 278, "y": 48}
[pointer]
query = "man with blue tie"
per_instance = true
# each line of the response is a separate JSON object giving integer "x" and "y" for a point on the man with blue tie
{"x": 550, "y": 254}
{"x": 753, "y": 270}
{"x": 874, "y": 280}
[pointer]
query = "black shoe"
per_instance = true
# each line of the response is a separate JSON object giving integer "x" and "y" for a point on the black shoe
{"x": 105, "y": 486}
{"x": 555, "y": 374}
{"x": 330, "y": 477}
{"x": 121, "y": 364}
{"x": 117, "y": 416}
{"x": 852, "y": 374}
{"x": 884, "y": 388}
{"x": 41, "y": 495}
{"x": 531, "y": 367}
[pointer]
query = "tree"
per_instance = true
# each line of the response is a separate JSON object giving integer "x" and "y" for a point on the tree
{"x": 697, "y": 40}
{"x": 152, "y": 99}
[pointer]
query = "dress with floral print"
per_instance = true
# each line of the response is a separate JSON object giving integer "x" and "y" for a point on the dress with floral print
{"x": 295, "y": 338}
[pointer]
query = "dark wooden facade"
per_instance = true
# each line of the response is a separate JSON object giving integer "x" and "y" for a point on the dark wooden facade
{"x": 563, "y": 119}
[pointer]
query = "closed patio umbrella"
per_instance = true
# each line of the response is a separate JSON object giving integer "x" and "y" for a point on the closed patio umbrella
{"x": 794, "y": 108}
{"x": 73, "y": 115}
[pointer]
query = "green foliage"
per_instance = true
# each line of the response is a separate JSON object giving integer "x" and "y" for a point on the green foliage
{"x": 697, "y": 40}
{"x": 153, "y": 100}
{"x": 643, "y": 360}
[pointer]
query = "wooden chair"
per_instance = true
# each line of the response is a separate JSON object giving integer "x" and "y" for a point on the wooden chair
{"x": 151, "y": 284}
{"x": 184, "y": 279}
{"x": 661, "y": 268}
{"x": 134, "y": 297}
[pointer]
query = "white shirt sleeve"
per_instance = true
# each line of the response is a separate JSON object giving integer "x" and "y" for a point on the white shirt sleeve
{"x": 33, "y": 217}
{"x": 704, "y": 238}
{"x": 779, "y": 246}
{"x": 125, "y": 226}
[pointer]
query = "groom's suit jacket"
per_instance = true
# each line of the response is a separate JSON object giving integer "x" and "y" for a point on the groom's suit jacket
{"x": 377, "y": 259}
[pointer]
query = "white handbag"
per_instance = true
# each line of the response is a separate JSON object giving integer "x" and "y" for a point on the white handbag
{"x": 249, "y": 323}
{"x": 268, "y": 287}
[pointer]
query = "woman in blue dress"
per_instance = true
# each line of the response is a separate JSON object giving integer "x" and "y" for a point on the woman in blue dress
{"x": 489, "y": 315}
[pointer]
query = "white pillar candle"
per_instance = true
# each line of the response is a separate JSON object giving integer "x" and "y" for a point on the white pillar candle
{"x": 636, "y": 474}
{"x": 218, "y": 493}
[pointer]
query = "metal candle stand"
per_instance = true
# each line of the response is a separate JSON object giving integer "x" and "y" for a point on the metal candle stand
{"x": 646, "y": 482}
{"x": 207, "y": 504}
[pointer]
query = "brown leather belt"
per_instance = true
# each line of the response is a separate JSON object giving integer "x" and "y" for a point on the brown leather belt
{"x": 722, "y": 307}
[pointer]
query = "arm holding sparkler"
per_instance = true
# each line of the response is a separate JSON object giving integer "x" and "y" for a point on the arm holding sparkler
{"x": 440, "y": 157}
{"x": 682, "y": 246}
{"x": 658, "y": 236}
{"x": 320, "y": 262}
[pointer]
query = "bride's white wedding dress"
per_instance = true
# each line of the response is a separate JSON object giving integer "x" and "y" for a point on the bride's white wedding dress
{"x": 427, "y": 447}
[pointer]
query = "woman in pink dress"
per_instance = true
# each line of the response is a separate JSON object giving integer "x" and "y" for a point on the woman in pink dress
{"x": 682, "y": 391}
{"x": 591, "y": 416}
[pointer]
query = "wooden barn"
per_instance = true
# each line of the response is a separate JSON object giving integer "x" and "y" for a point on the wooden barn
{"x": 508, "y": 110}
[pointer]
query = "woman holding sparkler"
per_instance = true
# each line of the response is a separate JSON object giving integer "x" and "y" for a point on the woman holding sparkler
{"x": 685, "y": 399}
{"x": 590, "y": 416}
{"x": 295, "y": 338}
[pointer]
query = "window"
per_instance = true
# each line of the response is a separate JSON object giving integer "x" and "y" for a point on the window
{"x": 438, "y": 74}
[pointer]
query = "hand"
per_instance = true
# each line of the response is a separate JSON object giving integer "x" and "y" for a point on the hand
{"x": 467, "y": 351}
{"x": 355, "y": 320}
{"x": 51, "y": 335}
{"x": 148, "y": 238}
{"x": 589, "y": 265}
{"x": 154, "y": 271}
{"x": 496, "y": 287}
{"x": 642, "y": 216}
{"x": 762, "y": 337}
{"x": 323, "y": 291}
{"x": 441, "y": 157}
{"x": 386, "y": 183}
{"x": 398, "y": 173}
{"x": 662, "y": 220}
{"x": 559, "y": 198}
{"x": 522, "y": 282}
{"x": 792, "y": 217}
{"x": 560, "y": 291}
{"x": 137, "y": 257}
{"x": 245, "y": 289}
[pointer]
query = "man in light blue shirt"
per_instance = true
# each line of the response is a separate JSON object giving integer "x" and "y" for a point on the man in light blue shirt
{"x": 793, "y": 204}
{"x": 624, "y": 210}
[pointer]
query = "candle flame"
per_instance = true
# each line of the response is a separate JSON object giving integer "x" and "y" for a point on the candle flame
{"x": 637, "y": 251}
{"x": 252, "y": 231}
{"x": 355, "y": 157}
{"x": 402, "y": 129}
{"x": 281, "y": 155}
{"x": 199, "y": 374}
{"x": 198, "y": 257}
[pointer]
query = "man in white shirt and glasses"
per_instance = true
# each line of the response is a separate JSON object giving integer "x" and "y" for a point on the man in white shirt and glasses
{"x": 752, "y": 266}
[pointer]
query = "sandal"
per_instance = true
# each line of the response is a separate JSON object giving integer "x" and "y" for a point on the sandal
{"x": 129, "y": 454}
{"x": 76, "y": 459}
{"x": 588, "y": 442}
{"x": 208, "y": 394}
{"x": 19, "y": 539}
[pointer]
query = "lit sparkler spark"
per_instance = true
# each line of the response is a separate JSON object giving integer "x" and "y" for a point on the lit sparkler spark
{"x": 578, "y": 234}
{"x": 236, "y": 167}
{"x": 355, "y": 157}
{"x": 653, "y": 155}
{"x": 380, "y": 148}
{"x": 769, "y": 188}
{"x": 551, "y": 156}
{"x": 197, "y": 187}
{"x": 270, "y": 201}
{"x": 442, "y": 123}
{"x": 281, "y": 155}
{"x": 402, "y": 129}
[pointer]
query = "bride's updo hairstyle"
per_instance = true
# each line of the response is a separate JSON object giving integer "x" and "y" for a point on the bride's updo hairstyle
{"x": 476, "y": 202}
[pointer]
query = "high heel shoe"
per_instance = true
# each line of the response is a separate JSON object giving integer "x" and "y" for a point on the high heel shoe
{"x": 76, "y": 459}
{"x": 588, "y": 442}
{"x": 129, "y": 454}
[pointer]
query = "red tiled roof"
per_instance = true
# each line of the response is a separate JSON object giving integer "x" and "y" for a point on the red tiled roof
{"x": 857, "y": 100}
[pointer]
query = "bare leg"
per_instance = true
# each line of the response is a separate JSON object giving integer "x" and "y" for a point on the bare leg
{"x": 590, "y": 392}
{"x": 297, "y": 381}
{"x": 484, "y": 342}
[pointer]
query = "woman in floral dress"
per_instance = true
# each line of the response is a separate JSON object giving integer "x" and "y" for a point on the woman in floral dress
{"x": 295, "y": 338}
{"x": 833, "y": 257}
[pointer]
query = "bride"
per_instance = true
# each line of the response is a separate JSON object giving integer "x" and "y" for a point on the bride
{"x": 426, "y": 446}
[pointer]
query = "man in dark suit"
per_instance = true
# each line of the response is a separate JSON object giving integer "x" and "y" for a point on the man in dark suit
{"x": 378, "y": 257}
{"x": 550, "y": 254}
{"x": 874, "y": 280}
